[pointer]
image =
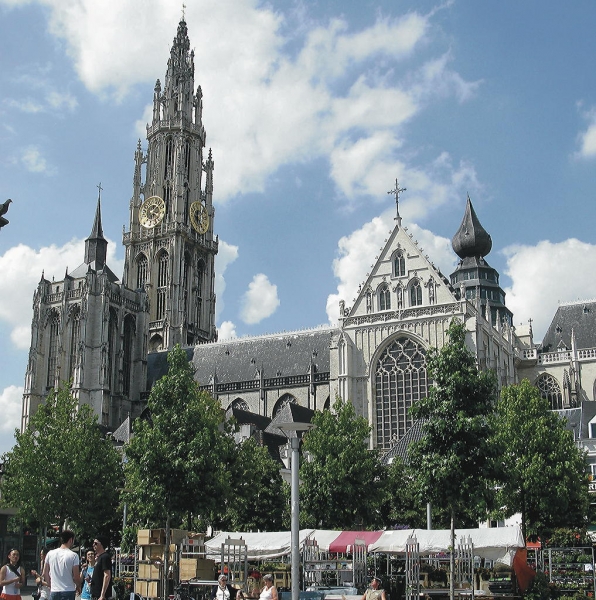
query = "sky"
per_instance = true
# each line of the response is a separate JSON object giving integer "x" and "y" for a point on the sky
{"x": 312, "y": 109}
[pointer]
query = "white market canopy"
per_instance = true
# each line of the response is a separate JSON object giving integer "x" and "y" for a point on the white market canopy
{"x": 498, "y": 544}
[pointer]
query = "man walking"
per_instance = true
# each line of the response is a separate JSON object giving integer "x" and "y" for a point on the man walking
{"x": 61, "y": 569}
{"x": 101, "y": 580}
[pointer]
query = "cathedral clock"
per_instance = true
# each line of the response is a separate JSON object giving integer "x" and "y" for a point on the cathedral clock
{"x": 152, "y": 211}
{"x": 199, "y": 217}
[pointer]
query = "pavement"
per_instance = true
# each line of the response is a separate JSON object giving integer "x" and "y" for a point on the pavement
{"x": 30, "y": 587}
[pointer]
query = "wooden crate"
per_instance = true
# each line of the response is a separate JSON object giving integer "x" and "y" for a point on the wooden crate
{"x": 148, "y": 589}
{"x": 151, "y": 536}
{"x": 149, "y": 571}
{"x": 197, "y": 568}
{"x": 156, "y": 552}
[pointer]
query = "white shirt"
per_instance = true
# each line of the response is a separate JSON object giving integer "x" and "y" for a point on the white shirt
{"x": 61, "y": 562}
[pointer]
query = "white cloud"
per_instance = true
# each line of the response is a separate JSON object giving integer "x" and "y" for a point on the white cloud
{"x": 59, "y": 100}
{"x": 34, "y": 161}
{"x": 259, "y": 301}
{"x": 227, "y": 254}
{"x": 11, "y": 399}
{"x": 334, "y": 94}
{"x": 544, "y": 275}
{"x": 21, "y": 268}
{"x": 356, "y": 251}
{"x": 26, "y": 105}
{"x": 587, "y": 139}
{"x": 226, "y": 331}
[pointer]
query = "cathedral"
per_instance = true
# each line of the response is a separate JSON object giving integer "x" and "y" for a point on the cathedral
{"x": 110, "y": 335}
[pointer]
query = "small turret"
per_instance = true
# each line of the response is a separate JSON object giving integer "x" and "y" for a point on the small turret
{"x": 471, "y": 238}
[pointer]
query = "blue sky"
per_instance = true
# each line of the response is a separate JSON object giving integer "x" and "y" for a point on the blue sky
{"x": 312, "y": 110}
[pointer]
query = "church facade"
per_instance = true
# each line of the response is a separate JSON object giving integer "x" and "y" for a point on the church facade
{"x": 110, "y": 336}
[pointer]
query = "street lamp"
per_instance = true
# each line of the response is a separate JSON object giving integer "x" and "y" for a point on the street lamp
{"x": 298, "y": 429}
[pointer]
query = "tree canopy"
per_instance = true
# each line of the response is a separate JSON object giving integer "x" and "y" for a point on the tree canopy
{"x": 342, "y": 482}
{"x": 257, "y": 502}
{"x": 178, "y": 460}
{"x": 63, "y": 468}
{"x": 544, "y": 475}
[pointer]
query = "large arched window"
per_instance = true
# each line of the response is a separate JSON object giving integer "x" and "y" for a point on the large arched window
{"x": 550, "y": 389}
{"x": 162, "y": 282}
{"x": 400, "y": 381}
{"x": 129, "y": 335}
{"x": 384, "y": 297}
{"x": 399, "y": 264}
{"x": 415, "y": 293}
{"x": 141, "y": 271}
{"x": 53, "y": 328}
{"x": 239, "y": 404}
{"x": 111, "y": 377}
{"x": 282, "y": 403}
{"x": 75, "y": 335}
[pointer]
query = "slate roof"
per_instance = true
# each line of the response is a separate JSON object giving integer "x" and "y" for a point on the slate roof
{"x": 82, "y": 270}
{"x": 577, "y": 419}
{"x": 579, "y": 316}
{"x": 157, "y": 365}
{"x": 277, "y": 355}
{"x": 400, "y": 449}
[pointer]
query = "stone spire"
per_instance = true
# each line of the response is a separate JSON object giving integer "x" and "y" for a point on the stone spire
{"x": 471, "y": 238}
{"x": 96, "y": 246}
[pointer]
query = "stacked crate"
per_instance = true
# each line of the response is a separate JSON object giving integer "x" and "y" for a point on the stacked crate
{"x": 152, "y": 552}
{"x": 193, "y": 561}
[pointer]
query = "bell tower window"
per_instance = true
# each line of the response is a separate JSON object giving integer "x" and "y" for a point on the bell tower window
{"x": 141, "y": 271}
{"x": 162, "y": 281}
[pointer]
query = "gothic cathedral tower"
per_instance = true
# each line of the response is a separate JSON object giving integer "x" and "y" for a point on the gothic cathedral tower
{"x": 170, "y": 248}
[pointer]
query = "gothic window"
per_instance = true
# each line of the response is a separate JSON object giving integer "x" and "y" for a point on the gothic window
{"x": 129, "y": 334}
{"x": 185, "y": 276}
{"x": 240, "y": 404}
{"x": 54, "y": 328}
{"x": 187, "y": 159}
{"x": 415, "y": 293}
{"x": 200, "y": 277}
{"x": 168, "y": 157}
{"x": 111, "y": 378}
{"x": 384, "y": 296}
{"x": 75, "y": 334}
{"x": 282, "y": 403}
{"x": 399, "y": 264}
{"x": 400, "y": 381}
{"x": 162, "y": 270}
{"x": 368, "y": 302}
{"x": 141, "y": 271}
{"x": 549, "y": 389}
{"x": 167, "y": 194}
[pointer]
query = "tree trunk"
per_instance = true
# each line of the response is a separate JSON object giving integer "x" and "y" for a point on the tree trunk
{"x": 452, "y": 558}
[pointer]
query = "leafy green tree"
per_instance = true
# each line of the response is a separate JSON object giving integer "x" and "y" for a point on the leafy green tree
{"x": 453, "y": 461}
{"x": 257, "y": 502}
{"x": 401, "y": 507}
{"x": 342, "y": 482}
{"x": 544, "y": 475}
{"x": 177, "y": 462}
{"x": 62, "y": 468}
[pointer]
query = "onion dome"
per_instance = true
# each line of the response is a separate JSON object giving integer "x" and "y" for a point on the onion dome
{"x": 471, "y": 238}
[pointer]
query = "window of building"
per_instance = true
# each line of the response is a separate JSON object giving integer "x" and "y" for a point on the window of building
{"x": 75, "y": 334}
{"x": 141, "y": 271}
{"x": 162, "y": 282}
{"x": 111, "y": 378}
{"x": 53, "y": 332}
{"x": 384, "y": 296}
{"x": 550, "y": 389}
{"x": 129, "y": 334}
{"x": 400, "y": 381}
{"x": 415, "y": 293}
{"x": 399, "y": 264}
{"x": 282, "y": 403}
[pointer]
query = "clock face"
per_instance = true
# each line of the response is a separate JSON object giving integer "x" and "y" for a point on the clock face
{"x": 199, "y": 217}
{"x": 152, "y": 211}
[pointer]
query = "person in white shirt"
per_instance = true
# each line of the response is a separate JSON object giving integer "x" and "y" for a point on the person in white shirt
{"x": 61, "y": 570}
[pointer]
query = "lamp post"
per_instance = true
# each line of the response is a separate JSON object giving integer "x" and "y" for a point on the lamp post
{"x": 298, "y": 429}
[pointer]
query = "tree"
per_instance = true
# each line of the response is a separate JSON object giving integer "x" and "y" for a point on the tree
{"x": 257, "y": 502}
{"x": 342, "y": 483}
{"x": 63, "y": 468}
{"x": 453, "y": 460}
{"x": 177, "y": 462}
{"x": 544, "y": 475}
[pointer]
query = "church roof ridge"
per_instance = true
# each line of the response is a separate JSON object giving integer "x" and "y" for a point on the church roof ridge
{"x": 248, "y": 338}
{"x": 576, "y": 302}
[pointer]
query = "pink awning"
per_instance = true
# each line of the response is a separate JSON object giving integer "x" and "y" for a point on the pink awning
{"x": 345, "y": 540}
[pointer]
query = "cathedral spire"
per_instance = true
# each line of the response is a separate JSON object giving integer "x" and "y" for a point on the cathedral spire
{"x": 96, "y": 246}
{"x": 397, "y": 191}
